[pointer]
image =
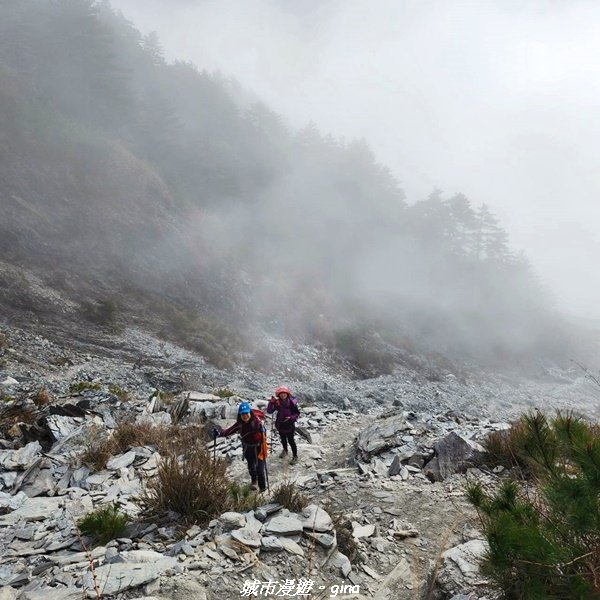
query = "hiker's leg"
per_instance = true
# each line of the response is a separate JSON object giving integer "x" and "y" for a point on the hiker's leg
{"x": 283, "y": 441}
{"x": 260, "y": 471}
{"x": 290, "y": 437}
{"x": 252, "y": 460}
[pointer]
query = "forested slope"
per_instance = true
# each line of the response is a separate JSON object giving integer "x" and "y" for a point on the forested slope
{"x": 175, "y": 194}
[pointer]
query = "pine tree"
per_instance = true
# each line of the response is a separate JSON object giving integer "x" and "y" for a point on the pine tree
{"x": 545, "y": 542}
{"x": 153, "y": 48}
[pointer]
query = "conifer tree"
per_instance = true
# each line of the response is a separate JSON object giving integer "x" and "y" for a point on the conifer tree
{"x": 544, "y": 540}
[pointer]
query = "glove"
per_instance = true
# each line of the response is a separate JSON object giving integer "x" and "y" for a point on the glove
{"x": 215, "y": 433}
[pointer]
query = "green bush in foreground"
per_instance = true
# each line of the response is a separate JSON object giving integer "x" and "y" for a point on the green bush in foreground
{"x": 104, "y": 524}
{"x": 544, "y": 539}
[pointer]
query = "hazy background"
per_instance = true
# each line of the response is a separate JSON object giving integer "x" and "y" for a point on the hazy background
{"x": 497, "y": 100}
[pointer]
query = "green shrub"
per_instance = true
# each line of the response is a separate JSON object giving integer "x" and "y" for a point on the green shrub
{"x": 224, "y": 393}
{"x": 288, "y": 495}
{"x": 104, "y": 524}
{"x": 192, "y": 485}
{"x": 242, "y": 497}
{"x": 102, "y": 312}
{"x": 119, "y": 392}
{"x": 80, "y": 386}
{"x": 544, "y": 541}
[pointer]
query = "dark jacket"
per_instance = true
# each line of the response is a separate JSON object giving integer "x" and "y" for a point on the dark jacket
{"x": 250, "y": 432}
{"x": 287, "y": 413}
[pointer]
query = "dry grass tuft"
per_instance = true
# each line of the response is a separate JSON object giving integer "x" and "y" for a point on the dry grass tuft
{"x": 506, "y": 447}
{"x": 168, "y": 439}
{"x": 288, "y": 495}
{"x": 42, "y": 397}
{"x": 346, "y": 542}
{"x": 192, "y": 486}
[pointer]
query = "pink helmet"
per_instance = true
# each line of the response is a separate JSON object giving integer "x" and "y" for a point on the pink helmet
{"x": 282, "y": 389}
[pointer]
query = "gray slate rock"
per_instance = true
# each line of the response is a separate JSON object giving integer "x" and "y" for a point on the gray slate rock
{"x": 314, "y": 518}
{"x": 232, "y": 520}
{"x": 381, "y": 435}
{"x": 459, "y": 572}
{"x": 271, "y": 543}
{"x": 248, "y": 537}
{"x": 453, "y": 454}
{"x": 13, "y": 460}
{"x": 283, "y": 526}
{"x": 120, "y": 462}
{"x": 118, "y": 577}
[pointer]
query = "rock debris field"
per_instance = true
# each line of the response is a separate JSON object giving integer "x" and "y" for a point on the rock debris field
{"x": 382, "y": 470}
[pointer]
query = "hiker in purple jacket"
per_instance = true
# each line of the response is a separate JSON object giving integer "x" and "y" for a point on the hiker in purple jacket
{"x": 287, "y": 414}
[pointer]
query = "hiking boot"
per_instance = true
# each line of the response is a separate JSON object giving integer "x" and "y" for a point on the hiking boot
{"x": 253, "y": 485}
{"x": 294, "y": 460}
{"x": 283, "y": 454}
{"x": 262, "y": 490}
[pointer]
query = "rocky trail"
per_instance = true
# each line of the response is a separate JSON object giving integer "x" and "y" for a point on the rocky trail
{"x": 383, "y": 465}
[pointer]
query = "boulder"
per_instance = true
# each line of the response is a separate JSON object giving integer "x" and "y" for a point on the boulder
{"x": 11, "y": 460}
{"x": 342, "y": 562}
{"x": 247, "y": 537}
{"x": 459, "y": 572}
{"x": 200, "y": 397}
{"x": 40, "y": 484}
{"x": 362, "y": 531}
{"x": 381, "y": 435}
{"x": 291, "y": 547}
{"x": 119, "y": 577}
{"x": 232, "y": 520}
{"x": 325, "y": 540}
{"x": 283, "y": 526}
{"x": 121, "y": 461}
{"x": 395, "y": 467}
{"x": 9, "y": 502}
{"x": 314, "y": 518}
{"x": 62, "y": 427}
{"x": 33, "y": 509}
{"x": 453, "y": 454}
{"x": 271, "y": 543}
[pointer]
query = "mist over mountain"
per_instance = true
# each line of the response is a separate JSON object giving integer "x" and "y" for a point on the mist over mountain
{"x": 167, "y": 196}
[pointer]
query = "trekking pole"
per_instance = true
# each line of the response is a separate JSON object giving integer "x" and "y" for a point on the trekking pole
{"x": 265, "y": 451}
{"x": 267, "y": 476}
{"x": 272, "y": 430}
{"x": 214, "y": 458}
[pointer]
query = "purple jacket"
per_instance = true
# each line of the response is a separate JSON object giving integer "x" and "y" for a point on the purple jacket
{"x": 287, "y": 413}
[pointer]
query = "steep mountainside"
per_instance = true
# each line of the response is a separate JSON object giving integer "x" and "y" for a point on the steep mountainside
{"x": 132, "y": 190}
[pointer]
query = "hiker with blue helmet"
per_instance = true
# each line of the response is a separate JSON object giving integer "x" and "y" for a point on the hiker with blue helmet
{"x": 254, "y": 442}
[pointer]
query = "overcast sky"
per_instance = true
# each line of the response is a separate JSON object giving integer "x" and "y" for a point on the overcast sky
{"x": 499, "y": 100}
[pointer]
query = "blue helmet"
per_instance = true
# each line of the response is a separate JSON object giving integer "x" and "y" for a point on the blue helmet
{"x": 244, "y": 409}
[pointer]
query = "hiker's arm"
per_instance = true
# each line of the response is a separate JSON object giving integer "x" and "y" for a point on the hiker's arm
{"x": 272, "y": 406}
{"x": 233, "y": 429}
{"x": 294, "y": 412}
